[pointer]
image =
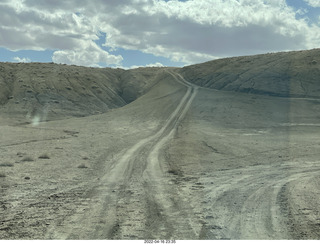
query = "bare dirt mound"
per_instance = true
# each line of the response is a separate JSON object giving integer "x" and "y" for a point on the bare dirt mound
{"x": 294, "y": 74}
{"x": 48, "y": 91}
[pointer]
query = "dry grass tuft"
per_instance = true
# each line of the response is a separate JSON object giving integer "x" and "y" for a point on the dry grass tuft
{"x": 20, "y": 154}
{"x": 44, "y": 156}
{"x": 27, "y": 159}
{"x": 175, "y": 171}
{"x": 82, "y": 166}
{"x": 6, "y": 165}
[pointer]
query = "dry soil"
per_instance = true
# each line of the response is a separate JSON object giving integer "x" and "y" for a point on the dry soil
{"x": 179, "y": 162}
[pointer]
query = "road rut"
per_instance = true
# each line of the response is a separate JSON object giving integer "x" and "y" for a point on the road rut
{"x": 135, "y": 199}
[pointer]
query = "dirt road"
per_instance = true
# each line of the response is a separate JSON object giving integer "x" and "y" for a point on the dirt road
{"x": 134, "y": 198}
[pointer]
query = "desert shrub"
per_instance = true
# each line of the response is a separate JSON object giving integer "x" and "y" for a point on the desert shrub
{"x": 20, "y": 154}
{"x": 44, "y": 156}
{"x": 6, "y": 165}
{"x": 82, "y": 166}
{"x": 27, "y": 159}
{"x": 174, "y": 172}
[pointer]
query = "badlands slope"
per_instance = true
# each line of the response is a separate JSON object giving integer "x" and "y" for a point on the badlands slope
{"x": 52, "y": 91}
{"x": 228, "y": 149}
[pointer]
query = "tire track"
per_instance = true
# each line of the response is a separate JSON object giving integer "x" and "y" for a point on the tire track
{"x": 174, "y": 211}
{"x": 129, "y": 203}
{"x": 252, "y": 203}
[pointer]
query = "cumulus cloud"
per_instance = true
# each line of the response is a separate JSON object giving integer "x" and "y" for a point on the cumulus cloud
{"x": 190, "y": 32}
{"x": 196, "y": 31}
{"x": 21, "y": 60}
{"x": 313, "y": 3}
{"x": 157, "y": 64}
{"x": 89, "y": 55}
{"x": 32, "y": 25}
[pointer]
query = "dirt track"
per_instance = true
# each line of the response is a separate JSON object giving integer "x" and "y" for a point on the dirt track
{"x": 175, "y": 164}
{"x": 135, "y": 198}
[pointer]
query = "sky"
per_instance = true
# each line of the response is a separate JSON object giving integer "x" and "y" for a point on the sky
{"x": 140, "y": 33}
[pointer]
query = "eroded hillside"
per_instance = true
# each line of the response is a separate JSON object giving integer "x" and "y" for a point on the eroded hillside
{"x": 51, "y": 91}
{"x": 47, "y": 91}
{"x": 294, "y": 74}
